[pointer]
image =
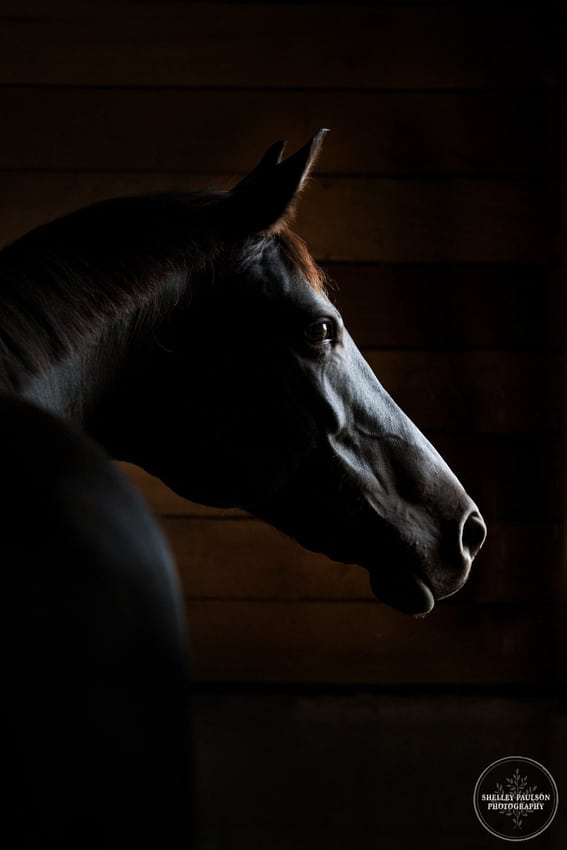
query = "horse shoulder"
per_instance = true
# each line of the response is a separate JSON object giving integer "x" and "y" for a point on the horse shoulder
{"x": 93, "y": 641}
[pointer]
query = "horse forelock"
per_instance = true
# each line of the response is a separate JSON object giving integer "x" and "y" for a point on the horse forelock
{"x": 295, "y": 251}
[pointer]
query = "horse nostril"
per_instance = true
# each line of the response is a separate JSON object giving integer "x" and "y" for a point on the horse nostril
{"x": 473, "y": 534}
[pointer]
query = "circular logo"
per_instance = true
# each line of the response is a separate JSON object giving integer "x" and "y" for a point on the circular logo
{"x": 515, "y": 798}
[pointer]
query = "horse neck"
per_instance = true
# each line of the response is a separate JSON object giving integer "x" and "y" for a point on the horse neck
{"x": 71, "y": 374}
{"x": 75, "y": 383}
{"x": 75, "y": 386}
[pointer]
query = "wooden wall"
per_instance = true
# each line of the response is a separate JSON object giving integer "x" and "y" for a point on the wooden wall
{"x": 434, "y": 208}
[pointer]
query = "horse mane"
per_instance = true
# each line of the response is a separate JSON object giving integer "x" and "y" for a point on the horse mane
{"x": 296, "y": 252}
{"x": 65, "y": 282}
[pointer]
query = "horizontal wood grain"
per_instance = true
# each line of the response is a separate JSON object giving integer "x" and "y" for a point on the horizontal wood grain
{"x": 226, "y": 130}
{"x": 429, "y": 221}
{"x": 509, "y": 476}
{"x": 344, "y": 219}
{"x": 276, "y": 46}
{"x": 474, "y": 391}
{"x": 449, "y": 306}
{"x": 367, "y": 643}
{"x": 245, "y": 559}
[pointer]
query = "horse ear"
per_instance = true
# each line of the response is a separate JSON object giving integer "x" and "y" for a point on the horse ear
{"x": 266, "y": 195}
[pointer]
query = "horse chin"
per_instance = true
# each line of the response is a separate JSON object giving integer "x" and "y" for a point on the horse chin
{"x": 409, "y": 593}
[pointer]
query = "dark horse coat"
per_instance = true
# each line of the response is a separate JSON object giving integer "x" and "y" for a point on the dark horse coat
{"x": 189, "y": 333}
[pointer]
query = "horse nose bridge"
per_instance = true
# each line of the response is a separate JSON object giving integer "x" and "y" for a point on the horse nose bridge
{"x": 423, "y": 476}
{"x": 453, "y": 523}
{"x": 448, "y": 500}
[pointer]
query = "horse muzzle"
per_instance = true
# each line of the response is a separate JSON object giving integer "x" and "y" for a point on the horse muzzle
{"x": 419, "y": 575}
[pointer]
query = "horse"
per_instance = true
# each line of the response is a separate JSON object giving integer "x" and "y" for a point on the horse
{"x": 190, "y": 333}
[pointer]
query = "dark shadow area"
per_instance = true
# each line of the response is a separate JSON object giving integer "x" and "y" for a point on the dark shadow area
{"x": 362, "y": 770}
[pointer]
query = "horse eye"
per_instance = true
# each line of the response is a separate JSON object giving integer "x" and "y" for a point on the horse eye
{"x": 320, "y": 332}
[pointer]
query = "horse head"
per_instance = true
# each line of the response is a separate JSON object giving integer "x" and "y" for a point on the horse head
{"x": 259, "y": 398}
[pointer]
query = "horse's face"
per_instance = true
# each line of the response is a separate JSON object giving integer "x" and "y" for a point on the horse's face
{"x": 283, "y": 416}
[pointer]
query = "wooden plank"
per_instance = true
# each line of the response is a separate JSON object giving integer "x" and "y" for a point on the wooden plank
{"x": 453, "y": 306}
{"x": 343, "y": 219}
{"x": 236, "y": 45}
{"x": 245, "y": 559}
{"x": 429, "y": 221}
{"x": 378, "y": 133}
{"x": 367, "y": 643}
{"x": 509, "y": 476}
{"x": 474, "y": 391}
